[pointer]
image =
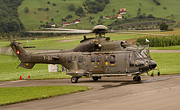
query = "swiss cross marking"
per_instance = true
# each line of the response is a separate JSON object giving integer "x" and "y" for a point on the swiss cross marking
{"x": 18, "y": 52}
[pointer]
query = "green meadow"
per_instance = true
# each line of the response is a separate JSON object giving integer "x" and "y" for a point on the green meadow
{"x": 168, "y": 63}
{"x": 31, "y": 20}
{"x": 10, "y": 95}
{"x": 8, "y": 70}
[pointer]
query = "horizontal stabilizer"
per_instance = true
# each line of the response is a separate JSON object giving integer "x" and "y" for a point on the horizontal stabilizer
{"x": 30, "y": 47}
{"x": 55, "y": 58}
{"x": 27, "y": 65}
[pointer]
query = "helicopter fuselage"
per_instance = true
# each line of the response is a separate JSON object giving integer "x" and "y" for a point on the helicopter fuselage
{"x": 109, "y": 58}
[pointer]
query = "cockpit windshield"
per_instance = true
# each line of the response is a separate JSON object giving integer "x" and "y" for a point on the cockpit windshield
{"x": 144, "y": 54}
{"x": 138, "y": 55}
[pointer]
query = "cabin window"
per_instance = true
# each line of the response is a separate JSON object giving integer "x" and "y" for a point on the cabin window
{"x": 80, "y": 59}
{"x": 69, "y": 59}
{"x": 129, "y": 56}
{"x": 93, "y": 58}
{"x": 99, "y": 58}
{"x": 112, "y": 59}
{"x": 106, "y": 58}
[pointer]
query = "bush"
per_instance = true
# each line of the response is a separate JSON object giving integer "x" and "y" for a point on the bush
{"x": 54, "y": 4}
{"x": 157, "y": 2}
{"x": 80, "y": 12}
{"x": 26, "y": 10}
{"x": 68, "y": 16}
{"x": 163, "y": 26}
{"x": 164, "y": 7}
{"x": 40, "y": 9}
{"x": 48, "y": 2}
{"x": 47, "y": 9}
{"x": 71, "y": 7}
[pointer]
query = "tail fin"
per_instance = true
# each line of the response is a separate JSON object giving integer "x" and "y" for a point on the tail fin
{"x": 22, "y": 54}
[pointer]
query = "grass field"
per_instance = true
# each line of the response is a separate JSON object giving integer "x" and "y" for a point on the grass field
{"x": 166, "y": 48}
{"x": 10, "y": 95}
{"x": 168, "y": 63}
{"x": 8, "y": 70}
{"x": 32, "y": 19}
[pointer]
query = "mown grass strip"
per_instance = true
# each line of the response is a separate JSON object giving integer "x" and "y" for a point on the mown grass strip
{"x": 10, "y": 95}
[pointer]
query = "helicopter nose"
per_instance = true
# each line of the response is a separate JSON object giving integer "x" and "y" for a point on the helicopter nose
{"x": 152, "y": 64}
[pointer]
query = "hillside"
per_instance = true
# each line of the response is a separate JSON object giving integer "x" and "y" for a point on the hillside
{"x": 9, "y": 19}
{"x": 34, "y": 18}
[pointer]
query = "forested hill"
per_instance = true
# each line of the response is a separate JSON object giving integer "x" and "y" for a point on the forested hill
{"x": 9, "y": 17}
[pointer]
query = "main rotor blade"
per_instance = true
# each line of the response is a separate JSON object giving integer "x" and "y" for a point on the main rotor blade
{"x": 74, "y": 31}
{"x": 61, "y": 29}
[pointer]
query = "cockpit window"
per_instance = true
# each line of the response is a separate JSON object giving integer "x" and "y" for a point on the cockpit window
{"x": 138, "y": 56}
{"x": 144, "y": 54}
{"x": 129, "y": 56}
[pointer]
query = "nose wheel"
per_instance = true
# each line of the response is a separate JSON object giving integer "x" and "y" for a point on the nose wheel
{"x": 137, "y": 78}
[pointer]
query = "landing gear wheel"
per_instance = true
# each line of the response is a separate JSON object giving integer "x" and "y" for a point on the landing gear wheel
{"x": 95, "y": 78}
{"x": 152, "y": 75}
{"x": 159, "y": 74}
{"x": 74, "y": 79}
{"x": 137, "y": 78}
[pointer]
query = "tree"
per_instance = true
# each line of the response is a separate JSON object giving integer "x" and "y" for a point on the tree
{"x": 47, "y": 9}
{"x": 157, "y": 2}
{"x": 80, "y": 12}
{"x": 68, "y": 16}
{"x": 71, "y": 7}
{"x": 139, "y": 11}
{"x": 48, "y": 2}
{"x": 26, "y": 10}
{"x": 113, "y": 10}
{"x": 150, "y": 16}
{"x": 54, "y": 4}
{"x": 101, "y": 7}
{"x": 106, "y": 1}
{"x": 100, "y": 1}
{"x": 163, "y": 26}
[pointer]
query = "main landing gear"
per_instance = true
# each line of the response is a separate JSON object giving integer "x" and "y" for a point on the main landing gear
{"x": 137, "y": 78}
{"x": 96, "y": 78}
{"x": 74, "y": 79}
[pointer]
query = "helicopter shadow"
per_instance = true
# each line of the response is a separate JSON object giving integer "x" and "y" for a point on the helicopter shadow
{"x": 123, "y": 83}
{"x": 107, "y": 86}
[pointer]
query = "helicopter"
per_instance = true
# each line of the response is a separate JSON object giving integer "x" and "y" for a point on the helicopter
{"x": 93, "y": 57}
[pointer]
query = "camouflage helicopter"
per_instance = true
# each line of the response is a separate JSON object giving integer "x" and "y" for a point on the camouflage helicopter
{"x": 93, "y": 57}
